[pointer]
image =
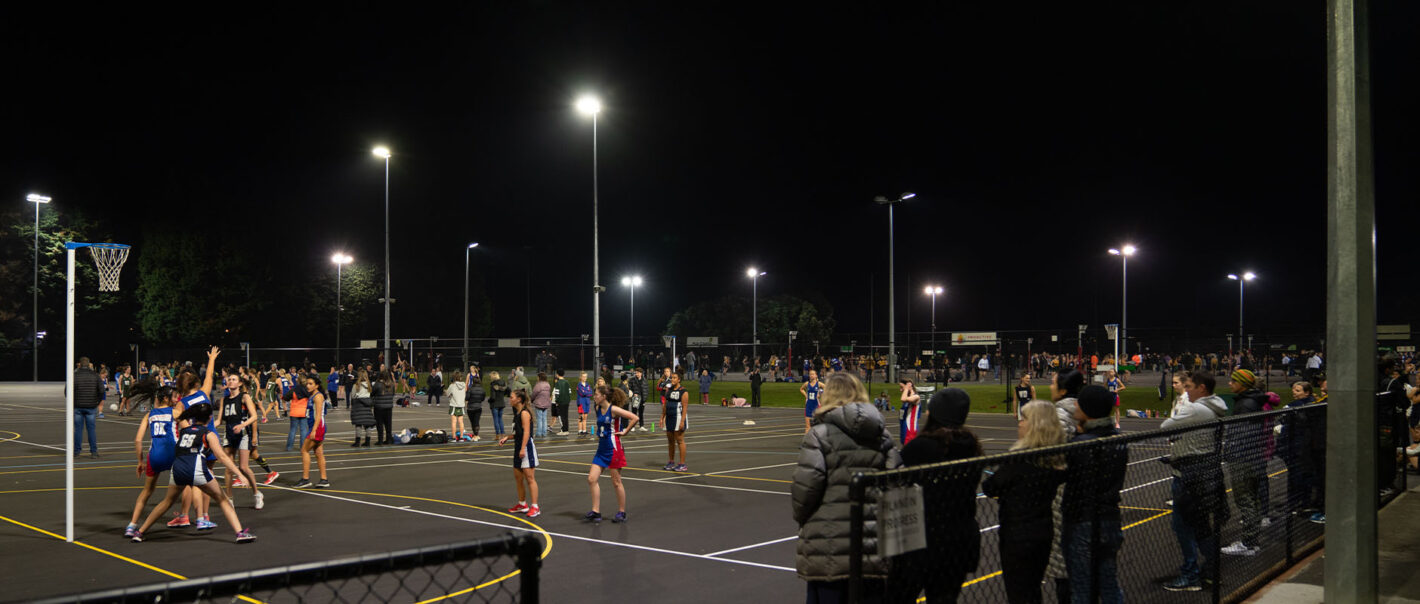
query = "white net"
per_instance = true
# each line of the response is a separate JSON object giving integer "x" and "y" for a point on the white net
{"x": 109, "y": 259}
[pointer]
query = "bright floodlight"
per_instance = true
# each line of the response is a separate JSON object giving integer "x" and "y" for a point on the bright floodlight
{"x": 1249, "y": 276}
{"x": 37, "y": 198}
{"x": 932, "y": 289}
{"x": 634, "y": 281}
{"x": 473, "y": 245}
{"x": 589, "y": 105}
{"x": 339, "y": 258}
{"x": 752, "y": 272}
{"x": 906, "y": 196}
{"x": 1129, "y": 250}
{"x": 381, "y": 152}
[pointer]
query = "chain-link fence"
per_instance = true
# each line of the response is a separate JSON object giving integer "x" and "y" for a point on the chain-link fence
{"x": 1204, "y": 512}
{"x": 493, "y": 570}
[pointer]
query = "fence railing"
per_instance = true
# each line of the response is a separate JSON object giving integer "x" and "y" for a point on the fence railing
{"x": 1243, "y": 494}
{"x": 494, "y": 570}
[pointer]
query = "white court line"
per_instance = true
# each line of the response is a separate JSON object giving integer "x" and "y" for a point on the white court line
{"x": 778, "y": 465}
{"x": 498, "y": 464}
{"x": 752, "y": 546}
{"x": 1123, "y": 491}
{"x": 525, "y": 529}
{"x": 1145, "y": 460}
{"x": 38, "y": 445}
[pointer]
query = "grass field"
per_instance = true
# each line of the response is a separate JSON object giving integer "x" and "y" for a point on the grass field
{"x": 985, "y": 397}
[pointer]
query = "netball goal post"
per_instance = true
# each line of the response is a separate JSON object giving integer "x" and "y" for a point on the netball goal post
{"x": 109, "y": 259}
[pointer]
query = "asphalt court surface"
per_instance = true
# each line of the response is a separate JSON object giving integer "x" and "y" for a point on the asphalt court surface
{"x": 721, "y": 531}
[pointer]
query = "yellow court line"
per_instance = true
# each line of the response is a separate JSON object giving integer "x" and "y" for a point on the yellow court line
{"x": 973, "y": 581}
{"x": 1130, "y": 507}
{"x": 1149, "y": 519}
{"x": 15, "y": 437}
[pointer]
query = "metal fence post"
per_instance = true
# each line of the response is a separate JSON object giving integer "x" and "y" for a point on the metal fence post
{"x": 856, "y": 490}
{"x": 1215, "y": 559}
{"x": 1094, "y": 535}
{"x": 530, "y": 563}
{"x": 1292, "y": 467}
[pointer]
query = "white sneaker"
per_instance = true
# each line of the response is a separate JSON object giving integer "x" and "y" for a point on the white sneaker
{"x": 1413, "y": 450}
{"x": 476, "y": 438}
{"x": 1238, "y": 549}
{"x": 260, "y": 501}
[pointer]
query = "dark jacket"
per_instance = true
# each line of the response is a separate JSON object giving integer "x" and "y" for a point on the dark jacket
{"x": 474, "y": 398}
{"x": 436, "y": 382}
{"x": 381, "y": 397}
{"x": 843, "y": 441}
{"x": 362, "y": 412}
{"x": 88, "y": 388}
{"x": 1094, "y": 477}
{"x": 1026, "y": 492}
{"x": 950, "y": 500}
{"x": 637, "y": 386}
{"x": 755, "y": 379}
{"x": 498, "y": 394}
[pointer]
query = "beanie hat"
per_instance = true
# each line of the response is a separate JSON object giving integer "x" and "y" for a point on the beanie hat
{"x": 1096, "y": 401}
{"x": 948, "y": 407}
{"x": 1244, "y": 378}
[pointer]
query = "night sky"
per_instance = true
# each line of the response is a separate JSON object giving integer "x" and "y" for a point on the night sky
{"x": 1035, "y": 135}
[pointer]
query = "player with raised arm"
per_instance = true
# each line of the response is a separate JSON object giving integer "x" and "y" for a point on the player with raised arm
{"x": 611, "y": 454}
{"x": 190, "y": 468}
{"x": 239, "y": 419}
{"x": 524, "y": 456}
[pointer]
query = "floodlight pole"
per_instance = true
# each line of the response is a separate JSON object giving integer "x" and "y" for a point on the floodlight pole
{"x": 338, "y": 269}
{"x": 467, "y": 250}
{"x": 892, "y": 284}
{"x": 596, "y": 259}
{"x": 389, "y": 363}
{"x": 37, "y": 199}
{"x": 1351, "y": 570}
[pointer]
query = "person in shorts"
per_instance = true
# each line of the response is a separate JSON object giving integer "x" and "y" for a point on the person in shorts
{"x": 315, "y": 419}
{"x": 810, "y": 391}
{"x": 239, "y": 421}
{"x": 191, "y": 469}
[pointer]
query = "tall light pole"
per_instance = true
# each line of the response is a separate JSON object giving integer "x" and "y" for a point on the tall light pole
{"x": 37, "y": 199}
{"x": 631, "y": 283}
{"x": 466, "y": 253}
{"x": 1247, "y": 276}
{"x": 934, "y": 291}
{"x": 589, "y": 105}
{"x": 754, "y": 274}
{"x": 340, "y": 259}
{"x": 384, "y": 153}
{"x": 892, "y": 311}
{"x": 1124, "y": 253}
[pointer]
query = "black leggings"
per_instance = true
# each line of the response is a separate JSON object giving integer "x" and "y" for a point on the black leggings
{"x": 475, "y": 413}
{"x": 436, "y": 396}
{"x": 562, "y": 414}
{"x": 384, "y": 417}
{"x": 1023, "y": 562}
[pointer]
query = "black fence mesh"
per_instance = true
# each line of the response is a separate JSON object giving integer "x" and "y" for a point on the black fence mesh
{"x": 1207, "y": 512}
{"x": 494, "y": 570}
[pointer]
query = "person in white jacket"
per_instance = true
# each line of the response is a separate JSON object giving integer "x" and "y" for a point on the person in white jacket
{"x": 455, "y": 391}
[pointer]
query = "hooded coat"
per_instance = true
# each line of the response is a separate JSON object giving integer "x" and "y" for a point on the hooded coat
{"x": 844, "y": 440}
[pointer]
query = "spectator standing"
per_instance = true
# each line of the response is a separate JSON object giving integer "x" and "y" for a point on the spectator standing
{"x": 1092, "y": 533}
{"x": 953, "y": 536}
{"x": 1065, "y": 391}
{"x": 1199, "y": 509}
{"x": 435, "y": 387}
{"x": 347, "y": 380}
{"x": 362, "y": 408}
{"x": 847, "y": 437}
{"x": 382, "y": 400}
{"x": 561, "y": 399}
{"x": 519, "y": 381}
{"x": 1026, "y": 490}
{"x": 755, "y": 381}
{"x": 497, "y": 400}
{"x": 637, "y": 390}
{"x": 88, "y": 395}
{"x": 705, "y": 379}
{"x": 474, "y": 409}
{"x": 332, "y": 386}
{"x": 1246, "y": 466}
{"x": 542, "y": 403}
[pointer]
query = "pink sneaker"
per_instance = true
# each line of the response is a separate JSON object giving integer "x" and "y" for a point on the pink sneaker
{"x": 521, "y": 508}
{"x": 180, "y": 522}
{"x": 534, "y": 512}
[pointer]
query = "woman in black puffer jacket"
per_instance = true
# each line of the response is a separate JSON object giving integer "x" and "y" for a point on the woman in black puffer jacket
{"x": 362, "y": 411}
{"x": 382, "y": 399}
{"x": 847, "y": 436}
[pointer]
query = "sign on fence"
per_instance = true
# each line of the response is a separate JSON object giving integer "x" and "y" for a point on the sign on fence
{"x": 369, "y": 344}
{"x": 902, "y": 520}
{"x": 702, "y": 341}
{"x": 510, "y": 343}
{"x": 974, "y": 338}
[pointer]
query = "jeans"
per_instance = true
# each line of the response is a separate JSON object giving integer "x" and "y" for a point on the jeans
{"x": 84, "y": 418}
{"x": 1199, "y": 512}
{"x": 1083, "y": 558}
{"x": 541, "y": 429}
{"x": 498, "y": 421}
{"x": 298, "y": 426}
{"x": 1245, "y": 474}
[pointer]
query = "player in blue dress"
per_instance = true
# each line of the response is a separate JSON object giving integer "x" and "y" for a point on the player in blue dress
{"x": 159, "y": 426}
{"x": 811, "y": 391}
{"x": 190, "y": 469}
{"x": 584, "y": 403}
{"x": 613, "y": 422}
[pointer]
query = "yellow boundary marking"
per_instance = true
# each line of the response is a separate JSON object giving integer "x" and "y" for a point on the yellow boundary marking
{"x": 547, "y": 538}
{"x": 5, "y": 440}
